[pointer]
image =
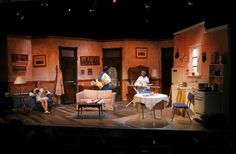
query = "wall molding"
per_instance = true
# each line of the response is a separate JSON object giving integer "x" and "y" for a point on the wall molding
{"x": 222, "y": 27}
{"x": 189, "y": 28}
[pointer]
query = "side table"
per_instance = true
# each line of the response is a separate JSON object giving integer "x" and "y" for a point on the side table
{"x": 20, "y": 100}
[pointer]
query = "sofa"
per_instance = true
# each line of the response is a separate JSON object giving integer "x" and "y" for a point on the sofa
{"x": 107, "y": 95}
{"x": 36, "y": 105}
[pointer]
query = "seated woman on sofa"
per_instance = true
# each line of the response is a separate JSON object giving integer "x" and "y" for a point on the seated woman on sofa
{"x": 41, "y": 96}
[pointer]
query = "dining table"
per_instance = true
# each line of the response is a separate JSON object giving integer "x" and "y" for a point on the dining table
{"x": 151, "y": 101}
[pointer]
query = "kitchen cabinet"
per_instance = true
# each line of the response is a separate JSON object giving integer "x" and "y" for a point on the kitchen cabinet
{"x": 216, "y": 76}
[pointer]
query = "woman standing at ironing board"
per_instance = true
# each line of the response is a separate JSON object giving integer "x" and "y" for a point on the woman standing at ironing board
{"x": 142, "y": 83}
{"x": 104, "y": 80}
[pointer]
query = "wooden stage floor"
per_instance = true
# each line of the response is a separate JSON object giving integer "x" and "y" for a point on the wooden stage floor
{"x": 122, "y": 117}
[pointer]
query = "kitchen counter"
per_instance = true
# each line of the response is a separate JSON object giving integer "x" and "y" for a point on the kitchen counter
{"x": 210, "y": 92}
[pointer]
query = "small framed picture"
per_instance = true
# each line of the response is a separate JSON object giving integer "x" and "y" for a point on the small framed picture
{"x": 19, "y": 58}
{"x": 141, "y": 52}
{"x": 19, "y": 68}
{"x": 90, "y": 71}
{"x": 82, "y": 72}
{"x": 39, "y": 60}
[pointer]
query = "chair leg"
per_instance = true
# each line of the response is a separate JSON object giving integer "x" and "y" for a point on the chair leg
{"x": 129, "y": 103}
{"x": 154, "y": 115}
{"x": 161, "y": 113}
{"x": 142, "y": 112}
{"x": 188, "y": 115}
{"x": 173, "y": 113}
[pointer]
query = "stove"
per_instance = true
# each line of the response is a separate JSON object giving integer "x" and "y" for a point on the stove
{"x": 207, "y": 103}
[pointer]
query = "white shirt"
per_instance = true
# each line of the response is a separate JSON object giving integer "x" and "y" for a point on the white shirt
{"x": 142, "y": 81}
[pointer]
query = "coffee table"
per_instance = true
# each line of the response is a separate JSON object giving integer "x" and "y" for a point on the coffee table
{"x": 82, "y": 105}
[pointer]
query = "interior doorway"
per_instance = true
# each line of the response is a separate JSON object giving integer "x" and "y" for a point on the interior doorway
{"x": 68, "y": 64}
{"x": 166, "y": 64}
{"x": 112, "y": 57}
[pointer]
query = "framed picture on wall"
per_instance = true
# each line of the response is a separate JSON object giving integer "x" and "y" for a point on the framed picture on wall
{"x": 141, "y": 52}
{"x": 39, "y": 60}
{"x": 19, "y": 69}
{"x": 89, "y": 60}
{"x": 82, "y": 72}
{"x": 19, "y": 58}
{"x": 90, "y": 71}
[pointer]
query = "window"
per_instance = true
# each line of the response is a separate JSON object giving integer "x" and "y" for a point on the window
{"x": 194, "y": 61}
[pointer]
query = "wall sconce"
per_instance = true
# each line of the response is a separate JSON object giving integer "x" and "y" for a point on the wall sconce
{"x": 204, "y": 58}
{"x": 177, "y": 54}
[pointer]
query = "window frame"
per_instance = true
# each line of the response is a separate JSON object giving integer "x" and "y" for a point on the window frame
{"x": 191, "y": 59}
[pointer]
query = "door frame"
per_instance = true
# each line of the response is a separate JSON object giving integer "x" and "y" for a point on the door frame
{"x": 76, "y": 66}
{"x": 115, "y": 59}
{"x": 171, "y": 50}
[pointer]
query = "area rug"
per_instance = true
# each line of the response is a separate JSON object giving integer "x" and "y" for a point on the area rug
{"x": 135, "y": 121}
{"x": 146, "y": 123}
{"x": 88, "y": 115}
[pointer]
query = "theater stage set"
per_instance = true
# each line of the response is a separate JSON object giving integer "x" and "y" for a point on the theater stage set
{"x": 184, "y": 46}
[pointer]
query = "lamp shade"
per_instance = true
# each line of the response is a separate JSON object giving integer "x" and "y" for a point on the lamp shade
{"x": 155, "y": 73}
{"x": 20, "y": 80}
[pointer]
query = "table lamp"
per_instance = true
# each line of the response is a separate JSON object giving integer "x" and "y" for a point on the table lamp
{"x": 19, "y": 81}
{"x": 155, "y": 74}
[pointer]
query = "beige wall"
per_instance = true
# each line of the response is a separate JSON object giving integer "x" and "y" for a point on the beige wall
{"x": 19, "y": 45}
{"x": 210, "y": 41}
{"x": 49, "y": 46}
{"x": 129, "y": 56}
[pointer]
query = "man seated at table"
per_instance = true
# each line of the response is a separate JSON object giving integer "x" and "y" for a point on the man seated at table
{"x": 142, "y": 83}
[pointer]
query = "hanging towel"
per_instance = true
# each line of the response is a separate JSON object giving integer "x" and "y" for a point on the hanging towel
{"x": 59, "y": 88}
{"x": 181, "y": 98}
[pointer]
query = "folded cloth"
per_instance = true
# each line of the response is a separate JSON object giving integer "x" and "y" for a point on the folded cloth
{"x": 99, "y": 84}
{"x": 31, "y": 94}
{"x": 93, "y": 101}
{"x": 101, "y": 101}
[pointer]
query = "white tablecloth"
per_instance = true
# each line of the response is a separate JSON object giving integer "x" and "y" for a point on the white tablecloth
{"x": 150, "y": 101}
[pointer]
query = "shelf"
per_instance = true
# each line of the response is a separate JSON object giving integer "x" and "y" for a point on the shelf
{"x": 216, "y": 76}
{"x": 194, "y": 76}
{"x": 217, "y": 64}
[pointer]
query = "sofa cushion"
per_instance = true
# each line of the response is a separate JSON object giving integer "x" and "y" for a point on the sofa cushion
{"x": 104, "y": 94}
{"x": 90, "y": 94}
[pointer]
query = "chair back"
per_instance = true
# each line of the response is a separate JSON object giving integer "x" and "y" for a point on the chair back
{"x": 190, "y": 99}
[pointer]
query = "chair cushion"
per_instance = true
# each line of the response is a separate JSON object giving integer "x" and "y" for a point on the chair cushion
{"x": 179, "y": 105}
